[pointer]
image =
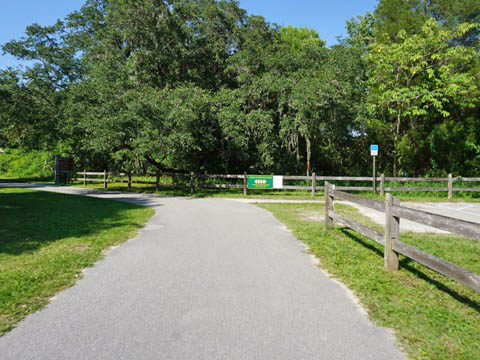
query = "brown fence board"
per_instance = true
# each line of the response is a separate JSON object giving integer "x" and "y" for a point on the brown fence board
{"x": 344, "y": 178}
{"x": 453, "y": 225}
{"x": 407, "y": 179}
{"x": 416, "y": 189}
{"x": 288, "y": 177}
{"x": 362, "y": 229}
{"x": 215, "y": 176}
{"x": 355, "y": 188}
{"x": 369, "y": 203}
{"x": 94, "y": 180}
{"x": 220, "y": 186}
{"x": 293, "y": 187}
{"x": 90, "y": 173}
{"x": 453, "y": 271}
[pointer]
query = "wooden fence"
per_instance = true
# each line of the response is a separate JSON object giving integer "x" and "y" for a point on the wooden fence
{"x": 382, "y": 180}
{"x": 394, "y": 211}
{"x": 85, "y": 179}
{"x": 193, "y": 181}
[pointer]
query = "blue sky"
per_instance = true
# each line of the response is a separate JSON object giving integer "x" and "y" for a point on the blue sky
{"x": 326, "y": 16}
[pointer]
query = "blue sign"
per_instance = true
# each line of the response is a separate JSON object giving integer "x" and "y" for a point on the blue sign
{"x": 374, "y": 150}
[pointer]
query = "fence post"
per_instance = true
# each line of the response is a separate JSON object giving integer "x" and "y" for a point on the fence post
{"x": 157, "y": 180}
{"x": 84, "y": 177}
{"x": 192, "y": 182}
{"x": 382, "y": 185}
{"x": 105, "y": 179}
{"x": 57, "y": 169}
{"x": 314, "y": 183}
{"x": 245, "y": 184}
{"x": 129, "y": 180}
{"x": 392, "y": 233}
{"x": 450, "y": 186}
{"x": 329, "y": 197}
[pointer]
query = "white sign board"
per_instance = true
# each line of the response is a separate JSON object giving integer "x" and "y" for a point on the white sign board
{"x": 374, "y": 150}
{"x": 278, "y": 182}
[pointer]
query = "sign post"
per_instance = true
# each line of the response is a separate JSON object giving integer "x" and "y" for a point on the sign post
{"x": 374, "y": 153}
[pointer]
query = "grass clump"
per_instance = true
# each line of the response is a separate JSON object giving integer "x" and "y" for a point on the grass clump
{"x": 46, "y": 239}
{"x": 433, "y": 317}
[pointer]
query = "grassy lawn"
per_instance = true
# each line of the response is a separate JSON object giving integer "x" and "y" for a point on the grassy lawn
{"x": 46, "y": 240}
{"x": 433, "y": 317}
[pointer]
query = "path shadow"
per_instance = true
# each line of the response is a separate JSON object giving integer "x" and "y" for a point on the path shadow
{"x": 30, "y": 220}
{"x": 147, "y": 200}
{"x": 405, "y": 263}
{"x": 26, "y": 180}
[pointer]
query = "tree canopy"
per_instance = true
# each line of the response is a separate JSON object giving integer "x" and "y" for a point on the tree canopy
{"x": 200, "y": 85}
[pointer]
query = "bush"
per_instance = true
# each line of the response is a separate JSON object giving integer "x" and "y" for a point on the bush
{"x": 23, "y": 164}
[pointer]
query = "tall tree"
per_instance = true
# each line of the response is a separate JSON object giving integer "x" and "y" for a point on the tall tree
{"x": 412, "y": 83}
{"x": 392, "y": 16}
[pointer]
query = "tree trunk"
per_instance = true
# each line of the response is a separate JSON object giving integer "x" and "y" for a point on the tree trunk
{"x": 309, "y": 154}
{"x": 395, "y": 143}
{"x": 297, "y": 150}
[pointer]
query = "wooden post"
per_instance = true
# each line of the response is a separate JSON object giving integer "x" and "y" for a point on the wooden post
{"x": 245, "y": 183}
{"x": 129, "y": 180}
{"x": 382, "y": 185}
{"x": 57, "y": 169}
{"x": 192, "y": 182}
{"x": 329, "y": 197}
{"x": 84, "y": 177}
{"x": 314, "y": 184}
{"x": 105, "y": 179}
{"x": 374, "y": 177}
{"x": 392, "y": 234}
{"x": 450, "y": 186}
{"x": 157, "y": 180}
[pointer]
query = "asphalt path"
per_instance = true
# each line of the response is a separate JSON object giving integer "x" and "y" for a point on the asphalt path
{"x": 206, "y": 279}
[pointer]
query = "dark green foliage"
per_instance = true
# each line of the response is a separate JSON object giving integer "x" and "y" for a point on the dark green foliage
{"x": 32, "y": 164}
{"x": 392, "y": 16}
{"x": 201, "y": 85}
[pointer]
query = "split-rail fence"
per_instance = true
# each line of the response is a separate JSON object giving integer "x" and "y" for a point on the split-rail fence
{"x": 194, "y": 181}
{"x": 390, "y": 240}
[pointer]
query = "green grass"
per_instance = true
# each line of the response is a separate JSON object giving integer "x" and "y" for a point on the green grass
{"x": 46, "y": 240}
{"x": 433, "y": 317}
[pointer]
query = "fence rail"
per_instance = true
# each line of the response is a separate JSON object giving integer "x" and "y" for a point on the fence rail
{"x": 194, "y": 181}
{"x": 394, "y": 211}
{"x": 86, "y": 180}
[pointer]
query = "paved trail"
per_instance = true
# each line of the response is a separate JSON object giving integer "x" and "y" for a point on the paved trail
{"x": 206, "y": 279}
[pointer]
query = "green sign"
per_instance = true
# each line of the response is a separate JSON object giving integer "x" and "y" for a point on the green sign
{"x": 260, "y": 182}
{"x": 265, "y": 182}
